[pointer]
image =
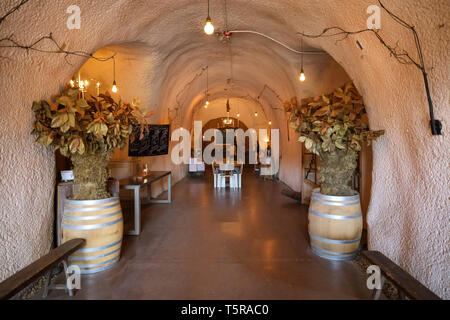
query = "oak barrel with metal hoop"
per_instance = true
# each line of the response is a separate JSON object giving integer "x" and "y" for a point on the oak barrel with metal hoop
{"x": 335, "y": 226}
{"x": 100, "y": 222}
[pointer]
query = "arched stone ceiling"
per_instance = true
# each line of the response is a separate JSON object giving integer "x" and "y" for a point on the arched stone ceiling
{"x": 180, "y": 50}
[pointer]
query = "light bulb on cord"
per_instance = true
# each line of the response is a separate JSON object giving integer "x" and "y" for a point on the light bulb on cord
{"x": 270, "y": 123}
{"x": 114, "y": 87}
{"x": 209, "y": 28}
{"x": 86, "y": 83}
{"x": 302, "y": 76}
{"x": 256, "y": 114}
{"x": 238, "y": 115}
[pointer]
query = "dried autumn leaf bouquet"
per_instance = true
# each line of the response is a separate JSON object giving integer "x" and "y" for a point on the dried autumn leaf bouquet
{"x": 333, "y": 127}
{"x": 86, "y": 131}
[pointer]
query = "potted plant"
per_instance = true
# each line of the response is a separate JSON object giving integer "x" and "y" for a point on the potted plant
{"x": 333, "y": 127}
{"x": 87, "y": 131}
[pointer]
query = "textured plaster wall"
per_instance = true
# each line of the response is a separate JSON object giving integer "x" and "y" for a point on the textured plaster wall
{"x": 408, "y": 215}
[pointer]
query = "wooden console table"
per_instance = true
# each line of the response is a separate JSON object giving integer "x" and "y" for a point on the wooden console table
{"x": 135, "y": 184}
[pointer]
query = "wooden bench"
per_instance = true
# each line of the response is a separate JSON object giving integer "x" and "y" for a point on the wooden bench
{"x": 405, "y": 283}
{"x": 45, "y": 264}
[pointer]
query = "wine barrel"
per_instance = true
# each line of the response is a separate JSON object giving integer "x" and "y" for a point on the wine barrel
{"x": 335, "y": 226}
{"x": 100, "y": 222}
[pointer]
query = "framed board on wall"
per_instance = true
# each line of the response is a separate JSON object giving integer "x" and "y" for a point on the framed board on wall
{"x": 155, "y": 141}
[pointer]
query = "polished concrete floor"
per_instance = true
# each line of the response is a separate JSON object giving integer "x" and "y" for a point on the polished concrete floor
{"x": 223, "y": 244}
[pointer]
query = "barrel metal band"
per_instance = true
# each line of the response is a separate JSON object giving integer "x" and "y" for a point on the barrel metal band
{"x": 91, "y": 217}
{"x": 89, "y": 271}
{"x": 334, "y": 198}
{"x": 330, "y": 257}
{"x": 90, "y": 208}
{"x": 334, "y": 241}
{"x": 96, "y": 264}
{"x": 91, "y": 202}
{"x": 99, "y": 248}
{"x": 334, "y": 216}
{"x": 339, "y": 204}
{"x": 72, "y": 258}
{"x": 334, "y": 253}
{"x": 92, "y": 226}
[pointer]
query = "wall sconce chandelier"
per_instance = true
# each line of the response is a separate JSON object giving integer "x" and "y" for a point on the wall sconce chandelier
{"x": 83, "y": 85}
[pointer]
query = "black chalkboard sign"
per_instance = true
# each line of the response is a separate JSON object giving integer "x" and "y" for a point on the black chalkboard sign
{"x": 154, "y": 143}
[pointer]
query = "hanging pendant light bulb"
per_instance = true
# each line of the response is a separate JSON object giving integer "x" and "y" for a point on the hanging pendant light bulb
{"x": 270, "y": 123}
{"x": 256, "y": 113}
{"x": 209, "y": 28}
{"x": 302, "y": 76}
{"x": 238, "y": 115}
{"x": 114, "y": 87}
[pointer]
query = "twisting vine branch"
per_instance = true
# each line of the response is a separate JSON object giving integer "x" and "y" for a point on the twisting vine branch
{"x": 12, "y": 10}
{"x": 10, "y": 42}
{"x": 401, "y": 55}
{"x": 273, "y": 91}
{"x": 177, "y": 96}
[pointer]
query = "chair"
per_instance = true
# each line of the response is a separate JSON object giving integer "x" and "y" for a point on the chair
{"x": 227, "y": 171}
{"x": 238, "y": 170}
{"x": 216, "y": 172}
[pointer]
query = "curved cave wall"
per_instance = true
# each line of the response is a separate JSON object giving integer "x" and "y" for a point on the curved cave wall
{"x": 163, "y": 48}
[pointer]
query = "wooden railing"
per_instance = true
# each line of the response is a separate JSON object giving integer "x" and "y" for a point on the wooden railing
{"x": 405, "y": 283}
{"x": 27, "y": 275}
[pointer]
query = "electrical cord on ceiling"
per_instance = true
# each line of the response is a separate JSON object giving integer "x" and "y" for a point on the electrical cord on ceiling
{"x": 276, "y": 41}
